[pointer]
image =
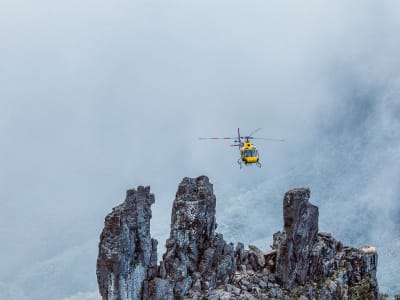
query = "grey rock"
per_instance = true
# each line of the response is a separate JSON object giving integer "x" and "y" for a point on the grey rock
{"x": 127, "y": 253}
{"x": 197, "y": 285}
{"x": 193, "y": 246}
{"x": 256, "y": 258}
{"x": 160, "y": 289}
{"x": 263, "y": 284}
{"x": 294, "y": 245}
{"x": 200, "y": 264}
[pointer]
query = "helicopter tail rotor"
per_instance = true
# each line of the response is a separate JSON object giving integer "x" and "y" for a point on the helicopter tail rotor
{"x": 239, "y": 142}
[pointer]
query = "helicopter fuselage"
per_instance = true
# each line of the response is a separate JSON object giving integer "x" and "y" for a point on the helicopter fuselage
{"x": 249, "y": 153}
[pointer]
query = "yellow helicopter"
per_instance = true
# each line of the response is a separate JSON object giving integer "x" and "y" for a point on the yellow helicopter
{"x": 248, "y": 152}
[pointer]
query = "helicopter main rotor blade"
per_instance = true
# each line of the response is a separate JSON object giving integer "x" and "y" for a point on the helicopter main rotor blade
{"x": 254, "y": 131}
{"x": 216, "y": 138}
{"x": 267, "y": 139}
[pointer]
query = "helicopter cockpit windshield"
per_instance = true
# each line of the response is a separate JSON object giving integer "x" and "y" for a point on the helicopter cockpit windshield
{"x": 250, "y": 153}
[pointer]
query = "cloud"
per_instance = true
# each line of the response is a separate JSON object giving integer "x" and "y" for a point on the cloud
{"x": 98, "y": 97}
{"x": 85, "y": 296}
{"x": 65, "y": 274}
{"x": 11, "y": 292}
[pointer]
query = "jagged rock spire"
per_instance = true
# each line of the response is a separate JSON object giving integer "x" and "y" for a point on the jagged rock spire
{"x": 196, "y": 256}
{"x": 198, "y": 263}
{"x": 300, "y": 230}
{"x": 127, "y": 254}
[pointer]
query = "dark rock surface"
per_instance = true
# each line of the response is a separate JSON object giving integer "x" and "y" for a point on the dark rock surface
{"x": 200, "y": 264}
{"x": 127, "y": 253}
{"x": 294, "y": 244}
{"x": 196, "y": 256}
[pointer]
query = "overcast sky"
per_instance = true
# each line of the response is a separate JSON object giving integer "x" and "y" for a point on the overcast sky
{"x": 100, "y": 96}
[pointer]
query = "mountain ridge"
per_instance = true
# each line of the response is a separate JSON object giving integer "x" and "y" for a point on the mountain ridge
{"x": 303, "y": 263}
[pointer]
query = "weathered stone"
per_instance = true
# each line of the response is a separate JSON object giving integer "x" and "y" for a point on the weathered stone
{"x": 160, "y": 289}
{"x": 199, "y": 264}
{"x": 127, "y": 253}
{"x": 193, "y": 246}
{"x": 256, "y": 258}
{"x": 294, "y": 246}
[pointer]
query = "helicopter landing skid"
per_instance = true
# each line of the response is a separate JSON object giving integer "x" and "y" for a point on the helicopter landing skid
{"x": 239, "y": 161}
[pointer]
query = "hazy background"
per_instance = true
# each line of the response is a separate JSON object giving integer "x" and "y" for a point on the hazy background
{"x": 100, "y": 96}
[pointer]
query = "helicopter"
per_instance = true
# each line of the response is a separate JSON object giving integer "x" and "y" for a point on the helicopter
{"x": 248, "y": 151}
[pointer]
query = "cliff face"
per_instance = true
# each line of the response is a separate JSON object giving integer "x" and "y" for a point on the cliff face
{"x": 315, "y": 264}
{"x": 196, "y": 256}
{"x": 198, "y": 262}
{"x": 294, "y": 244}
{"x": 127, "y": 254}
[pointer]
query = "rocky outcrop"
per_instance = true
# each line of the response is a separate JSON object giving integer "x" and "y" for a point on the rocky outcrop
{"x": 305, "y": 258}
{"x": 127, "y": 257}
{"x": 294, "y": 244}
{"x": 199, "y": 263}
{"x": 196, "y": 256}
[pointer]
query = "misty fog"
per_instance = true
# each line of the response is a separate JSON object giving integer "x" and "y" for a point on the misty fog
{"x": 98, "y": 97}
